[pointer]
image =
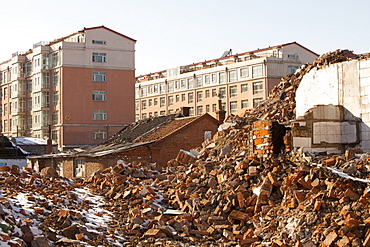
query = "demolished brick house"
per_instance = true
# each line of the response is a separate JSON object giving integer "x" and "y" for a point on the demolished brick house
{"x": 10, "y": 154}
{"x": 157, "y": 139}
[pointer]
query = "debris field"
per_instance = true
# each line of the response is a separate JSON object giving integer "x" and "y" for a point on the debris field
{"x": 241, "y": 188}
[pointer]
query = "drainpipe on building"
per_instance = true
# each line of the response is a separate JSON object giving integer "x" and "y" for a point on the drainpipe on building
{"x": 227, "y": 90}
{"x": 166, "y": 95}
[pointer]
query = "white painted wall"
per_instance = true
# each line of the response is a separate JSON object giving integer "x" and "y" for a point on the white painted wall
{"x": 346, "y": 84}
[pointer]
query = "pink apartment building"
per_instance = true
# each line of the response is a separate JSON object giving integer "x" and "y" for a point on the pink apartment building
{"x": 81, "y": 87}
{"x": 241, "y": 81}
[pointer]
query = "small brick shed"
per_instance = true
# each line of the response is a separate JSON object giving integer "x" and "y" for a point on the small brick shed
{"x": 157, "y": 139}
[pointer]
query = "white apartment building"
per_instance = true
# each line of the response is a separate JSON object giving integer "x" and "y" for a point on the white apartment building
{"x": 241, "y": 81}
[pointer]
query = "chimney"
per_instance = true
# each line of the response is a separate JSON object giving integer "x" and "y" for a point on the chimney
{"x": 220, "y": 114}
{"x": 185, "y": 110}
{"x": 49, "y": 143}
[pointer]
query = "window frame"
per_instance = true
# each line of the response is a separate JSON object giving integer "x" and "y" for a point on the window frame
{"x": 99, "y": 95}
{"x": 99, "y": 76}
{"x": 99, "y": 57}
{"x": 99, "y": 115}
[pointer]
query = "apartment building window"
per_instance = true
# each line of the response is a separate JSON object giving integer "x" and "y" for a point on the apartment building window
{"x": 45, "y": 118}
{"x": 233, "y": 91}
{"x": 143, "y": 105}
{"x": 137, "y": 105}
{"x": 99, "y": 57}
{"x": 244, "y": 87}
{"x": 170, "y": 87}
{"x": 214, "y": 107}
{"x": 100, "y": 115}
{"x": 143, "y": 92}
{"x": 190, "y": 83}
{"x": 222, "y": 93}
{"x": 155, "y": 101}
{"x": 150, "y": 102}
{"x": 199, "y": 110}
{"x": 213, "y": 77}
{"x": 177, "y": 97}
{"x": 233, "y": 107}
{"x": 295, "y": 56}
{"x": 54, "y": 135}
{"x": 232, "y": 76}
{"x": 170, "y": 111}
{"x": 162, "y": 113}
{"x": 29, "y": 104}
{"x": 257, "y": 87}
{"x": 99, "y": 42}
{"x": 199, "y": 96}
{"x": 214, "y": 92}
{"x": 99, "y": 96}
{"x": 137, "y": 117}
{"x": 46, "y": 99}
{"x": 99, "y": 134}
{"x": 55, "y": 98}
{"x": 243, "y": 72}
{"x": 191, "y": 111}
{"x": 5, "y": 109}
{"x": 45, "y": 80}
{"x": 54, "y": 59}
{"x": 29, "y": 121}
{"x": 256, "y": 101}
{"x": 182, "y": 83}
{"x": 55, "y": 117}
{"x": 244, "y": 103}
{"x": 5, "y": 125}
{"x": 143, "y": 116}
{"x": 256, "y": 71}
{"x": 155, "y": 88}
{"x": 207, "y": 94}
{"x": 5, "y": 93}
{"x": 155, "y": 114}
{"x": 150, "y": 114}
{"x": 29, "y": 86}
{"x": 292, "y": 69}
{"x": 199, "y": 81}
{"x": 206, "y": 79}
{"x": 221, "y": 77}
{"x": 183, "y": 97}
{"x": 207, "y": 108}
{"x": 99, "y": 76}
{"x": 162, "y": 88}
{"x": 170, "y": 100}
{"x": 176, "y": 84}
{"x": 223, "y": 106}
{"x": 1, "y": 110}
{"x": 190, "y": 98}
{"x": 162, "y": 101}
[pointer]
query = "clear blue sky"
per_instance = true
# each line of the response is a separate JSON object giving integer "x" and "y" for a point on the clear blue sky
{"x": 171, "y": 33}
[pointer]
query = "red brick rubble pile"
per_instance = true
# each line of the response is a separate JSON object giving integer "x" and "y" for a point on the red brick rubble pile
{"x": 238, "y": 189}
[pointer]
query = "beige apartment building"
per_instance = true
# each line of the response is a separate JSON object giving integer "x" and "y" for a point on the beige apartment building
{"x": 241, "y": 81}
{"x": 80, "y": 86}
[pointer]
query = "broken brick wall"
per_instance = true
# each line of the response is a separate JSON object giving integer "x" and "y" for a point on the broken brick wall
{"x": 326, "y": 128}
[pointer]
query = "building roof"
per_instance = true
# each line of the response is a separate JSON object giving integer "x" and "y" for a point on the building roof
{"x": 240, "y": 54}
{"x": 143, "y": 133}
{"x": 91, "y": 28}
{"x": 8, "y": 150}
